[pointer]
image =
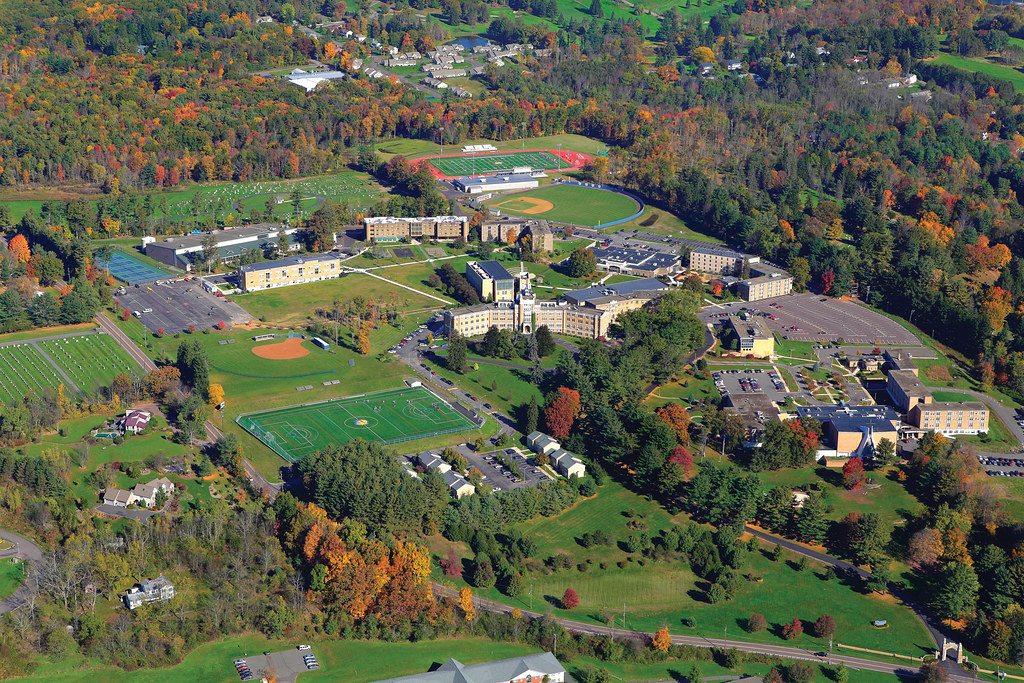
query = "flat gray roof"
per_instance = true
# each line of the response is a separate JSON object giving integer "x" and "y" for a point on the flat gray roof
{"x": 496, "y": 179}
{"x": 647, "y": 284}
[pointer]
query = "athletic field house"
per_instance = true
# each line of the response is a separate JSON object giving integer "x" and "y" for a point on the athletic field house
{"x": 388, "y": 417}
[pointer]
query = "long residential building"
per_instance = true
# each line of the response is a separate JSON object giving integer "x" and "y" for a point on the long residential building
{"x": 767, "y": 282}
{"x": 716, "y": 260}
{"x": 536, "y": 668}
{"x": 291, "y": 270}
{"x": 583, "y": 313}
{"x": 392, "y": 229}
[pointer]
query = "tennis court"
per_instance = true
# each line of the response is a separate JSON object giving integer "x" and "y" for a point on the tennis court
{"x": 387, "y": 417}
{"x": 476, "y": 164}
{"x": 131, "y": 270}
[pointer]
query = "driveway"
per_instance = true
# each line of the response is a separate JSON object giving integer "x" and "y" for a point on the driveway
{"x": 115, "y": 511}
{"x": 26, "y": 550}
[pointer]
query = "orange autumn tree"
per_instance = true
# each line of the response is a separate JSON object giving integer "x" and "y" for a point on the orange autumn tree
{"x": 363, "y": 576}
{"x": 931, "y": 224}
{"x": 662, "y": 640}
{"x": 995, "y": 305}
{"x": 676, "y": 417}
{"x": 18, "y": 246}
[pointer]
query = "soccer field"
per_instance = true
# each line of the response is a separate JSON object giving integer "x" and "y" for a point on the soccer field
{"x": 387, "y": 417}
{"x": 491, "y": 163}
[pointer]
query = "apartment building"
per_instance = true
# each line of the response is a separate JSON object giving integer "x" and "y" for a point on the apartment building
{"x": 392, "y": 229}
{"x": 291, "y": 270}
{"x": 906, "y": 390}
{"x": 539, "y": 230}
{"x": 718, "y": 260}
{"x": 768, "y": 282}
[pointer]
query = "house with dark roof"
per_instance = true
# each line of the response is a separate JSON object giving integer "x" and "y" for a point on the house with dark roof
{"x": 527, "y": 669}
{"x": 134, "y": 421}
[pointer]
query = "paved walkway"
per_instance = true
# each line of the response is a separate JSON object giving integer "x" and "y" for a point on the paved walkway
{"x": 31, "y": 553}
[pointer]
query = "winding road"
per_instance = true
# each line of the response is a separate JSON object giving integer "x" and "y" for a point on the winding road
{"x": 139, "y": 356}
{"x": 27, "y": 550}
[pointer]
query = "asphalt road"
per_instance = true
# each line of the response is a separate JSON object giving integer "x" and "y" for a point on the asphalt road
{"x": 908, "y": 670}
{"x": 31, "y": 553}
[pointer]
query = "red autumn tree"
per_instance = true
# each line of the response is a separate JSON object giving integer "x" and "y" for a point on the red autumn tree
{"x": 452, "y": 564}
{"x": 853, "y": 473}
{"x": 676, "y": 417}
{"x": 570, "y": 600}
{"x": 125, "y": 314}
{"x": 221, "y": 325}
{"x": 716, "y": 288}
{"x": 828, "y": 278}
{"x": 682, "y": 456}
{"x": 561, "y": 412}
{"x": 825, "y": 626}
{"x": 793, "y": 629}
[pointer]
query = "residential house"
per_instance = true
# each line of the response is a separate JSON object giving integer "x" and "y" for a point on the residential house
{"x": 159, "y": 589}
{"x": 538, "y": 442}
{"x": 433, "y": 462}
{"x": 145, "y": 494}
{"x": 567, "y": 464}
{"x": 457, "y": 484}
{"x": 734, "y": 65}
{"x": 134, "y": 421}
{"x": 528, "y": 669}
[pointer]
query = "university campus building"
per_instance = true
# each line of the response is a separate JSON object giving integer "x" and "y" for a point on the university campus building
{"x": 754, "y": 336}
{"x": 765, "y": 281}
{"x": 536, "y": 668}
{"x": 491, "y": 280}
{"x": 639, "y": 262}
{"x": 231, "y": 244}
{"x": 582, "y": 313}
{"x": 913, "y": 399}
{"x": 538, "y": 229}
{"x": 392, "y": 229}
{"x": 291, "y": 270}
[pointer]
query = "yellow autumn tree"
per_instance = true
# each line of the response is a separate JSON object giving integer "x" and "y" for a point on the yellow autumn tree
{"x": 702, "y": 54}
{"x": 662, "y": 640}
{"x": 363, "y": 338}
{"x": 466, "y": 603}
{"x": 215, "y": 395}
{"x": 931, "y": 224}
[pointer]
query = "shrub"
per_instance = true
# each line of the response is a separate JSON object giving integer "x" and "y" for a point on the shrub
{"x": 689, "y": 622}
{"x": 800, "y": 672}
{"x": 756, "y": 623}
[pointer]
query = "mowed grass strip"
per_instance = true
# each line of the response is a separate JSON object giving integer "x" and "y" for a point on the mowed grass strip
{"x": 387, "y": 417}
{"x": 90, "y": 360}
{"x": 570, "y": 204}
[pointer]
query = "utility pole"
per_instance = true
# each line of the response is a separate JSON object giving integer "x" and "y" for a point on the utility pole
{"x": 726, "y": 640}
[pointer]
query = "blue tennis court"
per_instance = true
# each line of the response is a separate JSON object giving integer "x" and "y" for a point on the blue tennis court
{"x": 131, "y": 270}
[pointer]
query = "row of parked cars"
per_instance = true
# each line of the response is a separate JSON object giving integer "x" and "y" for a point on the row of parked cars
{"x": 243, "y": 670}
{"x": 1001, "y": 462}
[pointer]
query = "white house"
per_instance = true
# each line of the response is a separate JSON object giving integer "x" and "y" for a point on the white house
{"x": 145, "y": 494}
{"x": 159, "y": 589}
{"x": 135, "y": 421}
{"x": 567, "y": 464}
{"x": 539, "y": 442}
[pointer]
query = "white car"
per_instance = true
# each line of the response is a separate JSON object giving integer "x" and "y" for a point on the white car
{"x": 305, "y": 647}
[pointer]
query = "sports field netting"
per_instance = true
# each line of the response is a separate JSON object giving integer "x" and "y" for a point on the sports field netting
{"x": 131, "y": 270}
{"x": 494, "y": 163}
{"x": 387, "y": 417}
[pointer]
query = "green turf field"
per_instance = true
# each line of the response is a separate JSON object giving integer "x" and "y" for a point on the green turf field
{"x": 470, "y": 164}
{"x": 567, "y": 204}
{"x": 387, "y": 417}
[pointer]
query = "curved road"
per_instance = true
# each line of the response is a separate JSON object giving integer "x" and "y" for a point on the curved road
{"x": 140, "y": 357}
{"x": 908, "y": 670}
{"x": 31, "y": 553}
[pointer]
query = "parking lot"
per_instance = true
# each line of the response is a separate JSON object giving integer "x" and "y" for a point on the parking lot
{"x": 765, "y": 381}
{"x": 284, "y": 666}
{"x": 173, "y": 306}
{"x": 1002, "y": 466}
{"x": 810, "y": 317}
{"x": 501, "y": 478}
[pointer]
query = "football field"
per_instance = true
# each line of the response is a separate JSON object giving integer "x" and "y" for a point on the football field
{"x": 479, "y": 164}
{"x": 387, "y": 417}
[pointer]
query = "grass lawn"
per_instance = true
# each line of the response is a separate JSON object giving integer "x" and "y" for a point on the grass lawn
{"x": 682, "y": 390}
{"x": 982, "y": 65}
{"x": 664, "y": 223}
{"x": 794, "y": 349}
{"x": 514, "y": 389}
{"x": 567, "y": 204}
{"x": 416, "y": 274}
{"x": 297, "y": 305}
{"x": 349, "y": 661}
{"x": 420, "y": 148}
{"x": 666, "y": 592}
{"x": 891, "y": 501}
{"x": 11, "y": 576}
